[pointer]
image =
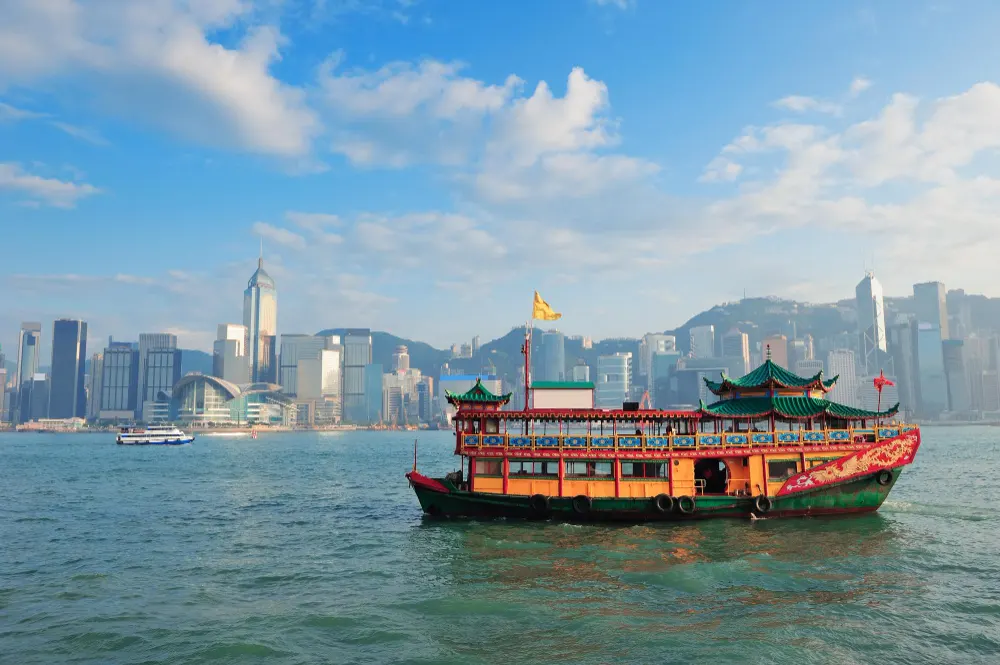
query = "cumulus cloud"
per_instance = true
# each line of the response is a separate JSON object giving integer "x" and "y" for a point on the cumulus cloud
{"x": 279, "y": 235}
{"x": 859, "y": 85}
{"x": 157, "y": 61}
{"x": 43, "y": 191}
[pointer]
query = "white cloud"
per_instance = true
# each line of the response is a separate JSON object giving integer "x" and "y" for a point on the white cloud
{"x": 82, "y": 133}
{"x": 721, "y": 169}
{"x": 801, "y": 104}
{"x": 155, "y": 61}
{"x": 9, "y": 113}
{"x": 859, "y": 85}
{"x": 279, "y": 235}
{"x": 49, "y": 191}
{"x": 619, "y": 4}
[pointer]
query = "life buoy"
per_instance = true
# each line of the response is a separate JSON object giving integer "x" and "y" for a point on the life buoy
{"x": 582, "y": 504}
{"x": 663, "y": 503}
{"x": 763, "y": 504}
{"x": 686, "y": 505}
{"x": 883, "y": 477}
{"x": 539, "y": 504}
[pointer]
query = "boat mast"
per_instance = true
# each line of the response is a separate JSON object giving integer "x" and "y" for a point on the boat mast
{"x": 526, "y": 350}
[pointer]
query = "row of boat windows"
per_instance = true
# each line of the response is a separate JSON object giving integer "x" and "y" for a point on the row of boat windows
{"x": 575, "y": 469}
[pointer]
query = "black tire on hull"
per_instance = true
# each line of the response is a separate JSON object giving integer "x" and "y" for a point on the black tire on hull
{"x": 762, "y": 504}
{"x": 582, "y": 505}
{"x": 686, "y": 505}
{"x": 663, "y": 503}
{"x": 540, "y": 505}
{"x": 883, "y": 477}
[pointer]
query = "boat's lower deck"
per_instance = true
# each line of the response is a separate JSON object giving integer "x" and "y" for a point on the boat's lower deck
{"x": 864, "y": 494}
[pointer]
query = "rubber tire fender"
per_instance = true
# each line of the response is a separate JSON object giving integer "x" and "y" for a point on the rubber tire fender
{"x": 763, "y": 504}
{"x": 539, "y": 504}
{"x": 883, "y": 477}
{"x": 663, "y": 503}
{"x": 686, "y": 505}
{"x": 582, "y": 505}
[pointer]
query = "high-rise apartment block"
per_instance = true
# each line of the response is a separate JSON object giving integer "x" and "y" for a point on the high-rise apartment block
{"x": 229, "y": 357}
{"x": 357, "y": 355}
{"x": 702, "y": 342}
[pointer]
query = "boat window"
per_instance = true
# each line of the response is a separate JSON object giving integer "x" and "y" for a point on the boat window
{"x": 534, "y": 468}
{"x": 644, "y": 469}
{"x": 488, "y": 467}
{"x": 821, "y": 460}
{"x": 588, "y": 469}
{"x": 781, "y": 469}
{"x": 492, "y": 426}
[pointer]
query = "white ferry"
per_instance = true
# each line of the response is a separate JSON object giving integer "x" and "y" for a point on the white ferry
{"x": 154, "y": 435}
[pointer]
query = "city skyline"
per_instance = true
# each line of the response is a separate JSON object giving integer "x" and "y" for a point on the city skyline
{"x": 560, "y": 166}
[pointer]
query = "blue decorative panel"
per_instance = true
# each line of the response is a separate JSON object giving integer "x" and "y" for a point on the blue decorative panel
{"x": 492, "y": 440}
{"x": 909, "y": 428}
{"x": 788, "y": 437}
{"x": 711, "y": 440}
{"x": 657, "y": 442}
{"x": 576, "y": 441}
{"x": 546, "y": 441}
{"x": 602, "y": 442}
{"x": 763, "y": 438}
{"x": 840, "y": 435}
{"x": 520, "y": 441}
{"x": 886, "y": 433}
{"x": 684, "y": 440}
{"x": 736, "y": 439}
{"x": 813, "y": 436}
{"x": 471, "y": 439}
{"x": 629, "y": 442}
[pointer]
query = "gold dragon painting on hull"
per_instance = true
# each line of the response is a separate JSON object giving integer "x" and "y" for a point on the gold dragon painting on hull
{"x": 886, "y": 455}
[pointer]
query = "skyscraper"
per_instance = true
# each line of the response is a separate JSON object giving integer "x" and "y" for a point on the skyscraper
{"x": 119, "y": 383}
{"x": 650, "y": 344}
{"x": 871, "y": 322}
{"x": 959, "y": 399}
{"x": 229, "y": 357}
{"x": 28, "y": 344}
{"x": 736, "y": 349}
{"x": 841, "y": 363}
{"x": 401, "y": 359}
{"x": 703, "y": 342}
{"x": 932, "y": 382}
{"x": 260, "y": 317}
{"x": 94, "y": 391}
{"x": 930, "y": 304}
{"x": 167, "y": 370}
{"x": 67, "y": 389}
{"x": 777, "y": 346}
{"x": 553, "y": 357}
{"x": 298, "y": 348}
{"x": 358, "y": 354}
{"x": 614, "y": 380}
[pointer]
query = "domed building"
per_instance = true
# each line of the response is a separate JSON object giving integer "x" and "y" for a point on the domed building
{"x": 260, "y": 317}
{"x": 200, "y": 400}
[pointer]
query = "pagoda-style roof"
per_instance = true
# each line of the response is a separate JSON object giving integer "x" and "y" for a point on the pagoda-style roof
{"x": 477, "y": 394}
{"x": 789, "y": 408}
{"x": 770, "y": 375}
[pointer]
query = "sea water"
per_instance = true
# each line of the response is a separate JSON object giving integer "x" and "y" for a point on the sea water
{"x": 310, "y": 548}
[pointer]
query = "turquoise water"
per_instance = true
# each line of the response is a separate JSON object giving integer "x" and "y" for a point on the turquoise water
{"x": 309, "y": 548}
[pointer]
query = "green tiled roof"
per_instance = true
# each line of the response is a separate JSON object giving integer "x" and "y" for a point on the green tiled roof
{"x": 477, "y": 394}
{"x": 770, "y": 375}
{"x": 563, "y": 385}
{"x": 789, "y": 407}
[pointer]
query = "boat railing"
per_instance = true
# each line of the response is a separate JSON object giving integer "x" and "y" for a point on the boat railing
{"x": 699, "y": 441}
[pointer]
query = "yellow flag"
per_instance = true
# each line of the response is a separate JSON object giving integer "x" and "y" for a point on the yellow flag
{"x": 542, "y": 311}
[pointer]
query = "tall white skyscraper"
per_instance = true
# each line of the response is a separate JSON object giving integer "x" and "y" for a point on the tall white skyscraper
{"x": 401, "y": 359}
{"x": 653, "y": 343}
{"x": 260, "y": 316}
{"x": 295, "y": 349}
{"x": 703, "y": 342}
{"x": 871, "y": 322}
{"x": 840, "y": 362}
{"x": 930, "y": 303}
{"x": 614, "y": 380}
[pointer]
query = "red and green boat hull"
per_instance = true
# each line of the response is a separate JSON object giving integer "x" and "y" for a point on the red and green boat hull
{"x": 857, "y": 483}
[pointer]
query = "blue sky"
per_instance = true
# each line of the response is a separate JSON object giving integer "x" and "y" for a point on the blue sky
{"x": 420, "y": 166}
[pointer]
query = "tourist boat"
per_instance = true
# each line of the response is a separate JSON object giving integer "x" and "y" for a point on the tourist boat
{"x": 154, "y": 435}
{"x": 770, "y": 445}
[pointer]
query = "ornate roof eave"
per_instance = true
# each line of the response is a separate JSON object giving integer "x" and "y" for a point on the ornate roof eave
{"x": 788, "y": 408}
{"x": 769, "y": 379}
{"x": 477, "y": 394}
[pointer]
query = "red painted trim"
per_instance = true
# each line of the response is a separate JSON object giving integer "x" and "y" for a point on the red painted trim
{"x": 472, "y": 475}
{"x": 763, "y": 463}
{"x": 677, "y": 453}
{"x": 889, "y": 454}
{"x": 506, "y": 473}
{"x": 583, "y": 414}
{"x": 617, "y": 469}
{"x": 670, "y": 477}
{"x": 562, "y": 475}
